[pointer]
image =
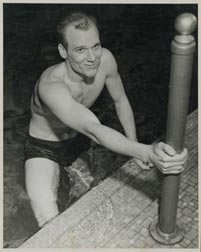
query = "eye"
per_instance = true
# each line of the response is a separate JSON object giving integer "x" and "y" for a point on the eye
{"x": 96, "y": 47}
{"x": 80, "y": 50}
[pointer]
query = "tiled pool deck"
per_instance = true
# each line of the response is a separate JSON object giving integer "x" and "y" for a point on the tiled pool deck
{"x": 117, "y": 213}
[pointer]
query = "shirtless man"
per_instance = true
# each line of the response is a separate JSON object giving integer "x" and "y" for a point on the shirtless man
{"x": 60, "y": 109}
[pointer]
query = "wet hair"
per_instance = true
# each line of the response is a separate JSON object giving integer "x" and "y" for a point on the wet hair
{"x": 79, "y": 20}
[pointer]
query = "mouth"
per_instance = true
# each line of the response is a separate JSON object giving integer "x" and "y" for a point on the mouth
{"x": 91, "y": 66}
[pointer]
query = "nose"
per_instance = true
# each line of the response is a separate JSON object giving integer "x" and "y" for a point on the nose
{"x": 91, "y": 56}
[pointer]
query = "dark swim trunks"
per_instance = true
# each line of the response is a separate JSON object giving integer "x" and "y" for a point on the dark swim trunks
{"x": 62, "y": 152}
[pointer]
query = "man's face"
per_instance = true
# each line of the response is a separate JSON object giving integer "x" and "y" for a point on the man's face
{"x": 84, "y": 50}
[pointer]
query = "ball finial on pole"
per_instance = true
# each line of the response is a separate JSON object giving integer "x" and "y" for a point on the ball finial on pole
{"x": 165, "y": 230}
{"x": 185, "y": 23}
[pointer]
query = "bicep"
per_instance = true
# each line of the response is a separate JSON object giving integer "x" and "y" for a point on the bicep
{"x": 113, "y": 80}
{"x": 73, "y": 114}
{"x": 115, "y": 87}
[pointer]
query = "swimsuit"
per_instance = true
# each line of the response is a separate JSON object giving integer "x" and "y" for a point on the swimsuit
{"x": 63, "y": 152}
{"x": 43, "y": 196}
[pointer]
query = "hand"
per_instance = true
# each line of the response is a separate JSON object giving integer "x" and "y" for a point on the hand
{"x": 143, "y": 165}
{"x": 166, "y": 160}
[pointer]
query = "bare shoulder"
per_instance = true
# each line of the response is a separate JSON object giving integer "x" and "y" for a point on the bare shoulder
{"x": 107, "y": 56}
{"x": 109, "y": 62}
{"x": 51, "y": 82}
{"x": 52, "y": 73}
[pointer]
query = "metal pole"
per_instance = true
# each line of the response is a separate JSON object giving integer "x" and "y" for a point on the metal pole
{"x": 165, "y": 230}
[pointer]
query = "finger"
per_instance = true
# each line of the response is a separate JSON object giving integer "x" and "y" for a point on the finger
{"x": 163, "y": 149}
{"x": 160, "y": 153}
{"x": 142, "y": 165}
{"x": 171, "y": 164}
{"x": 181, "y": 157}
{"x": 185, "y": 153}
{"x": 168, "y": 149}
{"x": 173, "y": 170}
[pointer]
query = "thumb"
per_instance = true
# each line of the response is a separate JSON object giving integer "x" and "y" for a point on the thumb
{"x": 168, "y": 149}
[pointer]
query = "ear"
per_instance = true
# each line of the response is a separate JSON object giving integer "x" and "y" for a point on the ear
{"x": 62, "y": 51}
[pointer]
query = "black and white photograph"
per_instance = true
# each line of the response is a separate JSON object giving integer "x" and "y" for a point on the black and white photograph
{"x": 100, "y": 125}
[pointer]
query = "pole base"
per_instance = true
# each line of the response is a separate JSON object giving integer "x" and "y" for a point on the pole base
{"x": 164, "y": 238}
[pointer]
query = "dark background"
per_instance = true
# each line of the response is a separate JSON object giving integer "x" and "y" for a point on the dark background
{"x": 139, "y": 36}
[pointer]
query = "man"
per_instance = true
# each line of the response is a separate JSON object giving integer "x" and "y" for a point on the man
{"x": 60, "y": 109}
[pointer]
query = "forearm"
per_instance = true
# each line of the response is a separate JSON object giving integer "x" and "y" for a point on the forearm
{"x": 126, "y": 117}
{"x": 115, "y": 141}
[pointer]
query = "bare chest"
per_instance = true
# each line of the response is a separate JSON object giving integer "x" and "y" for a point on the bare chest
{"x": 87, "y": 93}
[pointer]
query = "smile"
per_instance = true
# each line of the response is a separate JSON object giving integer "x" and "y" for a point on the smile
{"x": 91, "y": 66}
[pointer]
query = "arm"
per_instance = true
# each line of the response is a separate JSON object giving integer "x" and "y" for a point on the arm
{"x": 121, "y": 103}
{"x": 58, "y": 99}
{"x": 165, "y": 153}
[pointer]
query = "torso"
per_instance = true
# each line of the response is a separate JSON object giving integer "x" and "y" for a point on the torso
{"x": 44, "y": 124}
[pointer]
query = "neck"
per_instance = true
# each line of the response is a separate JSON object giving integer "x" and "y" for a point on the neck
{"x": 77, "y": 77}
{"x": 89, "y": 80}
{"x": 74, "y": 76}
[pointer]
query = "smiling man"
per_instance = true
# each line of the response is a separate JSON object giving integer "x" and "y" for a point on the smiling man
{"x": 61, "y": 116}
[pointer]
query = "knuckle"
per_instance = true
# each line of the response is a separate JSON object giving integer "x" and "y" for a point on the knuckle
{"x": 165, "y": 165}
{"x": 163, "y": 159}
